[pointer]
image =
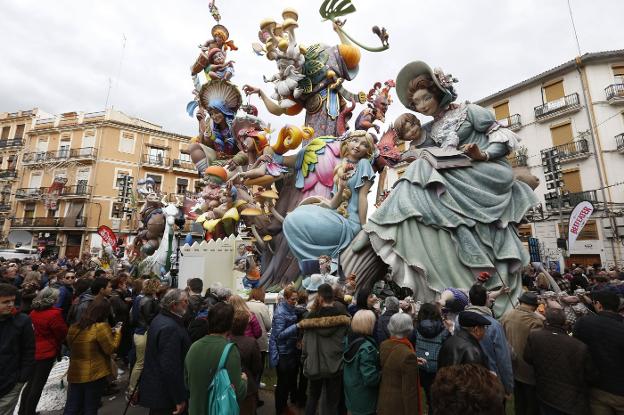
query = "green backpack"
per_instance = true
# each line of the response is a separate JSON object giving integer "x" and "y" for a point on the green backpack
{"x": 221, "y": 395}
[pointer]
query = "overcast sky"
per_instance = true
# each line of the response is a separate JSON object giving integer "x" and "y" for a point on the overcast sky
{"x": 59, "y": 55}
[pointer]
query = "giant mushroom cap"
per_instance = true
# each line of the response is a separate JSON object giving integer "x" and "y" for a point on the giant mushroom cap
{"x": 251, "y": 211}
{"x": 269, "y": 194}
{"x": 290, "y": 13}
{"x": 267, "y": 25}
{"x": 288, "y": 23}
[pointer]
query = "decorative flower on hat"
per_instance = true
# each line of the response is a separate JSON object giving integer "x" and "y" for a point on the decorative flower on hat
{"x": 446, "y": 81}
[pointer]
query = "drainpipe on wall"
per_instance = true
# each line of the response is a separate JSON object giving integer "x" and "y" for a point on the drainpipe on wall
{"x": 600, "y": 165}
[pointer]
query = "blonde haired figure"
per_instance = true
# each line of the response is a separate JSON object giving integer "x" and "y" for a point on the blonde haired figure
{"x": 326, "y": 227}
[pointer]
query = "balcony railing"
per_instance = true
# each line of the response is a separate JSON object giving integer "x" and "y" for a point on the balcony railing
{"x": 512, "y": 122}
{"x": 619, "y": 142}
{"x": 183, "y": 165}
{"x": 558, "y": 107}
{"x": 16, "y": 142}
{"x": 79, "y": 222}
{"x": 8, "y": 174}
{"x": 5, "y": 207}
{"x": 86, "y": 153}
{"x": 155, "y": 161}
{"x": 569, "y": 200}
{"x": 518, "y": 161}
{"x": 67, "y": 191}
{"x": 615, "y": 92}
{"x": 571, "y": 151}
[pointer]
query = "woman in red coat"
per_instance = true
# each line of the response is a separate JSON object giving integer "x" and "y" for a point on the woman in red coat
{"x": 50, "y": 332}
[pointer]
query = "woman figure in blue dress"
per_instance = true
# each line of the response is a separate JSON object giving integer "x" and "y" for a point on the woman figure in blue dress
{"x": 328, "y": 226}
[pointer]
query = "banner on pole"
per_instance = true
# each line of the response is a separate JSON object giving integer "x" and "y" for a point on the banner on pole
{"x": 108, "y": 236}
{"x": 578, "y": 218}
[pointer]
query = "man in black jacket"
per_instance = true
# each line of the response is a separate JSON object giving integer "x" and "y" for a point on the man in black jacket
{"x": 603, "y": 333}
{"x": 161, "y": 388}
{"x": 17, "y": 349}
{"x": 463, "y": 346}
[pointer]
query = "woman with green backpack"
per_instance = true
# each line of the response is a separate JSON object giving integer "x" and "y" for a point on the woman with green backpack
{"x": 212, "y": 368}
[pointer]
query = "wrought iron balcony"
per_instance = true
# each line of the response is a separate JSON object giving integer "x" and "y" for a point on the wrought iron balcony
{"x": 571, "y": 151}
{"x": 16, "y": 142}
{"x": 77, "y": 154}
{"x": 619, "y": 142}
{"x": 178, "y": 164}
{"x": 569, "y": 200}
{"x": 518, "y": 161}
{"x": 552, "y": 109}
{"x": 79, "y": 222}
{"x": 512, "y": 122}
{"x": 155, "y": 161}
{"x": 615, "y": 93}
{"x": 74, "y": 191}
{"x": 8, "y": 174}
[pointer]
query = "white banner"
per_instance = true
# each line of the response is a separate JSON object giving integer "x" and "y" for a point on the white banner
{"x": 578, "y": 218}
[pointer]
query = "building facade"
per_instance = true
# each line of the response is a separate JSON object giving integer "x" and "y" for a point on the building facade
{"x": 72, "y": 166}
{"x": 13, "y": 129}
{"x": 575, "y": 112}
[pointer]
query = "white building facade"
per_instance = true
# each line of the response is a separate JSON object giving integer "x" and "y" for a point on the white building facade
{"x": 577, "y": 109}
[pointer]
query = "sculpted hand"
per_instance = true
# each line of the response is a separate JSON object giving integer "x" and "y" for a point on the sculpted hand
{"x": 250, "y": 90}
{"x": 474, "y": 152}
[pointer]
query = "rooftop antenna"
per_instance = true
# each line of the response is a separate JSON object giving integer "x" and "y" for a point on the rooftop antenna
{"x": 110, "y": 80}
{"x": 578, "y": 45}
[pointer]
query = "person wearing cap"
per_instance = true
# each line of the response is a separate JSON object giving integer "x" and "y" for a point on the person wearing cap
{"x": 494, "y": 343}
{"x": 463, "y": 346}
{"x": 603, "y": 333}
{"x": 518, "y": 323}
{"x": 562, "y": 367}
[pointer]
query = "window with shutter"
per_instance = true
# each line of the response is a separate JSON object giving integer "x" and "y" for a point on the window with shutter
{"x": 501, "y": 111}
{"x": 572, "y": 181}
{"x": 554, "y": 91}
{"x": 562, "y": 134}
{"x": 126, "y": 142}
{"x": 618, "y": 72}
{"x": 19, "y": 132}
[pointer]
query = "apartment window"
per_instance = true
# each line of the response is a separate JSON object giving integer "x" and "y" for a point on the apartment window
{"x": 156, "y": 155}
{"x": 182, "y": 185}
{"x": 51, "y": 213}
{"x": 5, "y": 133}
{"x": 553, "y": 91}
{"x": 88, "y": 139}
{"x": 588, "y": 233}
{"x": 525, "y": 231}
{"x": 117, "y": 211}
{"x": 157, "y": 181}
{"x": 126, "y": 142}
{"x": 185, "y": 158}
{"x": 562, "y": 134}
{"x": 198, "y": 186}
{"x": 618, "y": 72}
{"x": 572, "y": 181}
{"x": 64, "y": 146}
{"x": 119, "y": 180}
{"x": 19, "y": 131}
{"x": 501, "y": 111}
{"x": 29, "y": 211}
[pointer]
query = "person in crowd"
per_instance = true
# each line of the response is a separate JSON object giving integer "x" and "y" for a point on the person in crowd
{"x": 120, "y": 304}
{"x": 468, "y": 389}
{"x": 254, "y": 330}
{"x": 364, "y": 300}
{"x": 362, "y": 372}
{"x": 256, "y": 305}
{"x": 145, "y": 307}
{"x": 17, "y": 349}
{"x": 429, "y": 335}
{"x": 91, "y": 342}
{"x": 66, "y": 292}
{"x": 399, "y": 389}
{"x": 324, "y": 330}
{"x": 463, "y": 347}
{"x": 579, "y": 280}
{"x": 203, "y": 358}
{"x": 161, "y": 383}
{"x": 251, "y": 361}
{"x": 100, "y": 287}
{"x": 451, "y": 310}
{"x": 50, "y": 332}
{"x": 494, "y": 343}
{"x": 195, "y": 288}
{"x": 603, "y": 333}
{"x": 381, "y": 332}
{"x": 283, "y": 352}
{"x": 563, "y": 284}
{"x": 562, "y": 366}
{"x": 518, "y": 323}
{"x": 299, "y": 393}
{"x": 29, "y": 288}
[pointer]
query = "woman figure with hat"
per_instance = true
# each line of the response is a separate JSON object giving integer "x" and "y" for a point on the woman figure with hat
{"x": 441, "y": 228}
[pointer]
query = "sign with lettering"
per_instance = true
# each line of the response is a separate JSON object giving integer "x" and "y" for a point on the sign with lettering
{"x": 578, "y": 218}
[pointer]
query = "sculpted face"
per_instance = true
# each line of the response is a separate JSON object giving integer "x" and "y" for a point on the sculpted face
{"x": 358, "y": 148}
{"x": 425, "y": 102}
{"x": 217, "y": 116}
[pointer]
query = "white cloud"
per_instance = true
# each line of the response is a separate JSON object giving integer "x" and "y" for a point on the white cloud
{"x": 59, "y": 55}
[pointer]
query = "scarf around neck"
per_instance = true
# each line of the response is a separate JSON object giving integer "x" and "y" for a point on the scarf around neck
{"x": 404, "y": 341}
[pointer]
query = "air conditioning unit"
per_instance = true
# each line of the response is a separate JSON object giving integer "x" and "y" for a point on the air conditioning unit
{"x": 176, "y": 163}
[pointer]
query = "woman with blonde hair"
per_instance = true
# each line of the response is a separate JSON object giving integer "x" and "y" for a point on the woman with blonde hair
{"x": 328, "y": 227}
{"x": 361, "y": 365}
{"x": 253, "y": 327}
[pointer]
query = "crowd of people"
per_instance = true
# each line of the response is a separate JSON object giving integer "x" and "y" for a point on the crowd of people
{"x": 558, "y": 351}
